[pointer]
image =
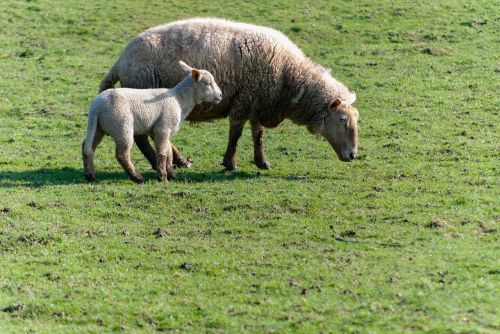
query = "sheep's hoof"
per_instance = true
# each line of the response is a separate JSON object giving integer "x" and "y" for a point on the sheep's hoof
{"x": 262, "y": 164}
{"x": 183, "y": 163}
{"x": 230, "y": 166}
{"x": 162, "y": 178}
{"x": 171, "y": 174}
{"x": 90, "y": 177}
{"x": 137, "y": 179}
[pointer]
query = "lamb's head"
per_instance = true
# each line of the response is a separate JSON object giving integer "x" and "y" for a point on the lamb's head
{"x": 340, "y": 128}
{"x": 205, "y": 89}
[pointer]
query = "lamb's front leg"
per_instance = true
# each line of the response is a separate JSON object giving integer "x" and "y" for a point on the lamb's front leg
{"x": 170, "y": 161}
{"x": 164, "y": 157}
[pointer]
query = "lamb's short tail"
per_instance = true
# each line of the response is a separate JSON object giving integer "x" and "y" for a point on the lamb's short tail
{"x": 109, "y": 80}
{"x": 91, "y": 129}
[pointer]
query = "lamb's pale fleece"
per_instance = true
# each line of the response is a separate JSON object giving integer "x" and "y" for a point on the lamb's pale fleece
{"x": 125, "y": 112}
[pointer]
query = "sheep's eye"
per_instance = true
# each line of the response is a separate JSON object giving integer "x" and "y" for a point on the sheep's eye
{"x": 343, "y": 118}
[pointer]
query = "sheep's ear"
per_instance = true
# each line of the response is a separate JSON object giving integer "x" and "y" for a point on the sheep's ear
{"x": 334, "y": 104}
{"x": 352, "y": 98}
{"x": 185, "y": 67}
{"x": 196, "y": 74}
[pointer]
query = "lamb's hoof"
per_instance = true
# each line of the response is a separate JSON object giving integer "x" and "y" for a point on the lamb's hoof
{"x": 90, "y": 177}
{"x": 230, "y": 165}
{"x": 262, "y": 164}
{"x": 184, "y": 163}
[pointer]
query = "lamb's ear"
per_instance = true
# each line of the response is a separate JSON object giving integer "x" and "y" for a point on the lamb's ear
{"x": 352, "y": 98}
{"x": 196, "y": 74}
{"x": 185, "y": 67}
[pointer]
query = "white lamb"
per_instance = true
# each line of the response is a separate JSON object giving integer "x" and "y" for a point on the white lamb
{"x": 125, "y": 112}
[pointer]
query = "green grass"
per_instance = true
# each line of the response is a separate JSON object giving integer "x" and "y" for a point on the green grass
{"x": 405, "y": 239}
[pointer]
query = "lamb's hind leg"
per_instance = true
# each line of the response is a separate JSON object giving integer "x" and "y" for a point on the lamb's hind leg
{"x": 123, "y": 157}
{"x": 259, "y": 156}
{"x": 88, "y": 157}
{"x": 235, "y": 130}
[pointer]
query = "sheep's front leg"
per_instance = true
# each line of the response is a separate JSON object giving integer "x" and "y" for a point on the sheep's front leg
{"x": 123, "y": 157}
{"x": 235, "y": 130}
{"x": 178, "y": 159}
{"x": 150, "y": 154}
{"x": 259, "y": 156}
{"x": 164, "y": 157}
{"x": 143, "y": 143}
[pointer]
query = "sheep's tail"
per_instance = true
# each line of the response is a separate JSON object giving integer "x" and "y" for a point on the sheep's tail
{"x": 109, "y": 80}
{"x": 91, "y": 130}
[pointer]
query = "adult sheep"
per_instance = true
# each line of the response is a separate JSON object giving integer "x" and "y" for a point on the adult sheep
{"x": 264, "y": 77}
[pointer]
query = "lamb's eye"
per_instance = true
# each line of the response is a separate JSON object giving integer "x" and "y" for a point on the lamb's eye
{"x": 343, "y": 118}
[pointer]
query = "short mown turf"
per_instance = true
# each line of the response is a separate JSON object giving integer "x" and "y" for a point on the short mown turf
{"x": 405, "y": 239}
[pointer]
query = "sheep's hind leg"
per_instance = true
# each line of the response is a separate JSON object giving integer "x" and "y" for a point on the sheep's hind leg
{"x": 150, "y": 154}
{"x": 123, "y": 157}
{"x": 88, "y": 157}
{"x": 259, "y": 157}
{"x": 235, "y": 130}
{"x": 143, "y": 143}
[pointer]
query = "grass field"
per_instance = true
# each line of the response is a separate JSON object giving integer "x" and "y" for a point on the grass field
{"x": 405, "y": 239}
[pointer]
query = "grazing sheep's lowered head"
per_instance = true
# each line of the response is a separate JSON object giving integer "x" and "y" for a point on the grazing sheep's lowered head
{"x": 328, "y": 102}
{"x": 340, "y": 128}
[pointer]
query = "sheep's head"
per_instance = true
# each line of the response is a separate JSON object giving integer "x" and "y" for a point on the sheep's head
{"x": 205, "y": 89}
{"x": 340, "y": 128}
